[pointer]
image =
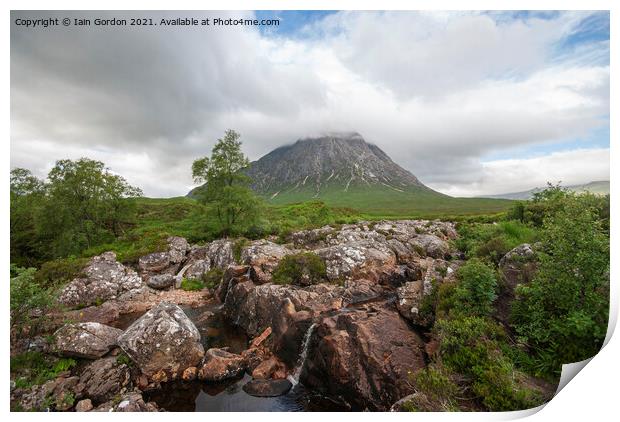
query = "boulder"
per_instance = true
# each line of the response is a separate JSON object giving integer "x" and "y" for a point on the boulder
{"x": 103, "y": 279}
{"x": 354, "y": 355}
{"x": 102, "y": 380}
{"x": 220, "y": 253}
{"x": 267, "y": 388}
{"x": 357, "y": 259}
{"x": 264, "y": 254}
{"x": 160, "y": 281}
{"x": 430, "y": 245}
{"x": 409, "y": 301}
{"x": 167, "y": 262}
{"x": 220, "y": 364}
{"x": 266, "y": 368}
{"x": 89, "y": 340}
{"x": 312, "y": 239}
{"x": 85, "y": 405}
{"x": 154, "y": 262}
{"x": 128, "y": 402}
{"x": 163, "y": 339}
{"x": 106, "y": 313}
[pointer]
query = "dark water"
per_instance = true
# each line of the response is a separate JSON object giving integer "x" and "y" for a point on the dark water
{"x": 196, "y": 396}
{"x": 230, "y": 397}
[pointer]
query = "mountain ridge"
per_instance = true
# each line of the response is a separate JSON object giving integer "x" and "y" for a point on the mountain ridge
{"x": 597, "y": 187}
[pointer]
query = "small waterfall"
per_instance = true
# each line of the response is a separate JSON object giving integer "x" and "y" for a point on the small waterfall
{"x": 294, "y": 377}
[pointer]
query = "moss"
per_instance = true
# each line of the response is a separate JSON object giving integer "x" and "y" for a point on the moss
{"x": 124, "y": 359}
{"x": 213, "y": 278}
{"x": 292, "y": 268}
{"x": 192, "y": 284}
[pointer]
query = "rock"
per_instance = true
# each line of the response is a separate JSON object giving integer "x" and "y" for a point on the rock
{"x": 409, "y": 300}
{"x": 220, "y": 253}
{"x": 177, "y": 249}
{"x": 357, "y": 291}
{"x": 356, "y": 259}
{"x": 518, "y": 266}
{"x": 353, "y": 355}
{"x": 196, "y": 269}
{"x": 190, "y": 373}
{"x": 264, "y": 254}
{"x": 163, "y": 339}
{"x": 154, "y": 262}
{"x": 312, "y": 239}
{"x": 267, "y": 388}
{"x": 430, "y": 245}
{"x": 89, "y": 340}
{"x": 220, "y": 364}
{"x": 160, "y": 281}
{"x": 106, "y": 313}
{"x": 266, "y": 368}
{"x": 84, "y": 406}
{"x": 103, "y": 279}
{"x": 133, "y": 402}
{"x": 102, "y": 380}
{"x": 256, "y": 342}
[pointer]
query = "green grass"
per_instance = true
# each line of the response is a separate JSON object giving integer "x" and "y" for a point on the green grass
{"x": 419, "y": 203}
{"x": 192, "y": 284}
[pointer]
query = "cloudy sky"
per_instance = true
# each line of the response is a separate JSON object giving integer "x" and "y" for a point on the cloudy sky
{"x": 471, "y": 103}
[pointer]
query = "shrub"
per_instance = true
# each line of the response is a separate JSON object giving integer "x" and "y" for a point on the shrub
{"x": 438, "y": 389}
{"x": 563, "y": 313}
{"x": 237, "y": 248}
{"x": 192, "y": 284}
{"x": 26, "y": 298}
{"x": 59, "y": 271}
{"x": 302, "y": 268}
{"x": 475, "y": 292}
{"x": 471, "y": 347}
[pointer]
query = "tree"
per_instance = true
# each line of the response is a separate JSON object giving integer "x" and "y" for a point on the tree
{"x": 27, "y": 193}
{"x": 563, "y": 313}
{"x": 85, "y": 204}
{"x": 226, "y": 188}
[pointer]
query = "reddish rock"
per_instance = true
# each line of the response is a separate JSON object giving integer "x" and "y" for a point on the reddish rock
{"x": 190, "y": 373}
{"x": 266, "y": 368}
{"x": 220, "y": 364}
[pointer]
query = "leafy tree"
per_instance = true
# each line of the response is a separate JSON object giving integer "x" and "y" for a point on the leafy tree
{"x": 27, "y": 193}
{"x": 563, "y": 313}
{"x": 85, "y": 204}
{"x": 226, "y": 187}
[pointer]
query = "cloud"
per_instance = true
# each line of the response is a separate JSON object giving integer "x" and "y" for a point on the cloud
{"x": 438, "y": 92}
{"x": 504, "y": 176}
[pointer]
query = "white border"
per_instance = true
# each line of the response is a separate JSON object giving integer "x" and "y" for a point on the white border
{"x": 590, "y": 396}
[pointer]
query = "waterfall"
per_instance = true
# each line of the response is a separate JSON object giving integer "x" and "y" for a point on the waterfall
{"x": 294, "y": 377}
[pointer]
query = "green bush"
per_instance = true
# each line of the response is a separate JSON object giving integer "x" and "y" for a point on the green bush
{"x": 192, "y": 284}
{"x": 237, "y": 248}
{"x": 562, "y": 314}
{"x": 59, "y": 271}
{"x": 301, "y": 268}
{"x": 27, "y": 297}
{"x": 476, "y": 289}
{"x": 471, "y": 346}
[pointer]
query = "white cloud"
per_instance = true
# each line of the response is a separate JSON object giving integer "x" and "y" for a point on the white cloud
{"x": 436, "y": 91}
{"x": 505, "y": 176}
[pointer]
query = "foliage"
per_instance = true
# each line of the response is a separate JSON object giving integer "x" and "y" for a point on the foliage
{"x": 226, "y": 188}
{"x": 124, "y": 359}
{"x": 476, "y": 289}
{"x": 471, "y": 347}
{"x": 563, "y": 313}
{"x": 302, "y": 268}
{"x": 439, "y": 390}
{"x": 26, "y": 298}
{"x": 491, "y": 242}
{"x": 213, "y": 278}
{"x": 56, "y": 272}
{"x": 192, "y": 284}
{"x": 237, "y": 248}
{"x": 35, "y": 368}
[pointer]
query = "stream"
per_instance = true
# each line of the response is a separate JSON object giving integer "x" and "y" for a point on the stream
{"x": 227, "y": 396}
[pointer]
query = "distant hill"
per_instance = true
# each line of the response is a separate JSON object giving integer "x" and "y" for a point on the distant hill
{"x": 343, "y": 170}
{"x": 597, "y": 188}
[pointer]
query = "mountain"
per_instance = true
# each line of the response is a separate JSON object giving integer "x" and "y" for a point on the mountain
{"x": 598, "y": 188}
{"x": 342, "y": 164}
{"x": 343, "y": 170}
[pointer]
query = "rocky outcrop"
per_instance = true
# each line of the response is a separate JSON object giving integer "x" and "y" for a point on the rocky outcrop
{"x": 163, "y": 341}
{"x": 103, "y": 279}
{"x": 159, "y": 268}
{"x": 518, "y": 266}
{"x": 128, "y": 402}
{"x": 89, "y": 340}
{"x": 102, "y": 380}
{"x": 220, "y": 253}
{"x": 365, "y": 355}
{"x": 220, "y": 364}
